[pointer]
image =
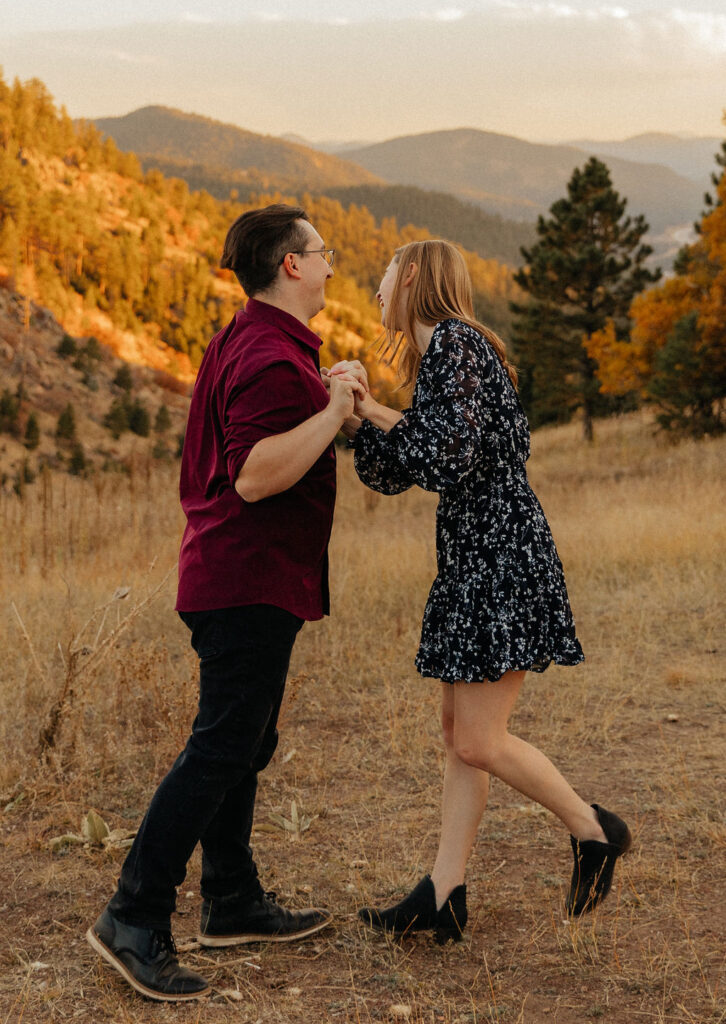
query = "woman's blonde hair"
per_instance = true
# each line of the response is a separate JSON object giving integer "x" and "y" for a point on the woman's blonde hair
{"x": 440, "y": 289}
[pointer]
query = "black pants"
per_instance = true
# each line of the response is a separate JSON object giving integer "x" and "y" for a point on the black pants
{"x": 209, "y": 794}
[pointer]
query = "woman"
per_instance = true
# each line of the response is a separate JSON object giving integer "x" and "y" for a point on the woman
{"x": 498, "y": 606}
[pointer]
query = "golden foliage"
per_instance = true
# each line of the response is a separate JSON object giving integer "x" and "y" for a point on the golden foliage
{"x": 699, "y": 287}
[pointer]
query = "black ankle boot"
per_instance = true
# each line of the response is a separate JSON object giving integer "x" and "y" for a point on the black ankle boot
{"x": 451, "y": 919}
{"x": 592, "y": 874}
{"x": 417, "y": 912}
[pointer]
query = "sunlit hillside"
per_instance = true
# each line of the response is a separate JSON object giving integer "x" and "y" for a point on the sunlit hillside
{"x": 132, "y": 258}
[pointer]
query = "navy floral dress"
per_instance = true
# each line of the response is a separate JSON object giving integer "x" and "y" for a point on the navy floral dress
{"x": 499, "y": 600}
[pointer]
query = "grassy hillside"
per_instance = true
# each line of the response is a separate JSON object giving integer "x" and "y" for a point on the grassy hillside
{"x": 641, "y": 527}
{"x": 269, "y": 161}
{"x": 520, "y": 179}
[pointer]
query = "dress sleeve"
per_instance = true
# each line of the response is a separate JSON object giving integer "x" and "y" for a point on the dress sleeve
{"x": 376, "y": 463}
{"x": 440, "y": 440}
{"x": 270, "y": 402}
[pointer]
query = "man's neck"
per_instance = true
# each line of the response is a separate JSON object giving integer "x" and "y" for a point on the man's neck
{"x": 286, "y": 303}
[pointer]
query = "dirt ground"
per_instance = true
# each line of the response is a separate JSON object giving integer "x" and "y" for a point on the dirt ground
{"x": 639, "y": 728}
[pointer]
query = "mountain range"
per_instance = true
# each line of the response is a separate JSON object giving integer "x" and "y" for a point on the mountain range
{"x": 174, "y": 135}
{"x": 519, "y": 179}
{"x": 483, "y": 174}
{"x": 689, "y": 157}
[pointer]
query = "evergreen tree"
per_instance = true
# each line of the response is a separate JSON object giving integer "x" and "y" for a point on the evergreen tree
{"x": 32, "y": 433}
{"x": 66, "y": 347}
{"x": 124, "y": 378}
{"x": 162, "y": 422}
{"x": 9, "y": 409}
{"x": 116, "y": 419}
{"x": 139, "y": 419}
{"x": 582, "y": 272}
{"x": 66, "y": 429}
{"x": 687, "y": 385}
{"x": 78, "y": 463}
{"x": 676, "y": 354}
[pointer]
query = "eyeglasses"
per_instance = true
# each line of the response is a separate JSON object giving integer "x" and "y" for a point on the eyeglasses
{"x": 327, "y": 254}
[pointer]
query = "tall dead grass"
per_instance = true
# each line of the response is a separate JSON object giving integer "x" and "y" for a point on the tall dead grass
{"x": 640, "y": 526}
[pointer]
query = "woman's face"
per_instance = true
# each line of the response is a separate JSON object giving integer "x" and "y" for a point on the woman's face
{"x": 385, "y": 293}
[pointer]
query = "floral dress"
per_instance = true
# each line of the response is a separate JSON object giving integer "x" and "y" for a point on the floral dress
{"x": 499, "y": 600}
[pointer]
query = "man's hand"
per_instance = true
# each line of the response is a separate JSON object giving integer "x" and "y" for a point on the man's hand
{"x": 353, "y": 368}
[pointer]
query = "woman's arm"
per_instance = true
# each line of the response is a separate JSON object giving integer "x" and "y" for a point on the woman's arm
{"x": 380, "y": 415}
{"x": 441, "y": 439}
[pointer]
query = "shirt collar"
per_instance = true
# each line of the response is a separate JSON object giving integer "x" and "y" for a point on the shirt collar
{"x": 257, "y": 310}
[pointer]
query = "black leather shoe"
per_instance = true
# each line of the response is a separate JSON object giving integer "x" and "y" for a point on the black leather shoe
{"x": 227, "y": 923}
{"x": 592, "y": 874}
{"x": 417, "y": 912}
{"x": 146, "y": 959}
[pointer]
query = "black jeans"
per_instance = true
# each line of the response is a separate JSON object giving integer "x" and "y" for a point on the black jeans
{"x": 209, "y": 794}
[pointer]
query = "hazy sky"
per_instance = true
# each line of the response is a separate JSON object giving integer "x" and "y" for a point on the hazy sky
{"x": 373, "y": 69}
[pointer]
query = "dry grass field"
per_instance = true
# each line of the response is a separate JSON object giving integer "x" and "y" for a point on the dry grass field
{"x": 108, "y": 682}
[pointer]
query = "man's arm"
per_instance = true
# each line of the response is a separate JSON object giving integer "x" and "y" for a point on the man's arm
{"x": 279, "y": 461}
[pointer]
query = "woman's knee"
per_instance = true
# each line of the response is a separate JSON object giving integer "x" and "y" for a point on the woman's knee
{"x": 478, "y": 751}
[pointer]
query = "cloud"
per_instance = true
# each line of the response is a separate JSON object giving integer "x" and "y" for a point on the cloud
{"x": 447, "y": 14}
{"x": 194, "y": 18}
{"x": 124, "y": 57}
{"x": 706, "y": 29}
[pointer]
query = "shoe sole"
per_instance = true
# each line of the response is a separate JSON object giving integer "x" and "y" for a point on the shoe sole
{"x": 150, "y": 993}
{"x": 218, "y": 941}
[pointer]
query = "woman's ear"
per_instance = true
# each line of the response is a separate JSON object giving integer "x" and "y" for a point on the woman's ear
{"x": 410, "y": 274}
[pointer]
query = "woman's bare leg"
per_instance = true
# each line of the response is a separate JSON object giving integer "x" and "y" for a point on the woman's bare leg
{"x": 482, "y": 740}
{"x": 464, "y": 799}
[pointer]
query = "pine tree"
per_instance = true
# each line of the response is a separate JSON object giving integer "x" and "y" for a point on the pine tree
{"x": 686, "y": 386}
{"x": 582, "y": 273}
{"x": 66, "y": 429}
{"x": 676, "y": 355}
{"x": 9, "y": 409}
{"x": 124, "y": 378}
{"x": 77, "y": 464}
{"x": 139, "y": 419}
{"x": 66, "y": 347}
{"x": 32, "y": 433}
{"x": 162, "y": 422}
{"x": 116, "y": 419}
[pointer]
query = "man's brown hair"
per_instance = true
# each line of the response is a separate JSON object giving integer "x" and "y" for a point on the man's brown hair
{"x": 256, "y": 244}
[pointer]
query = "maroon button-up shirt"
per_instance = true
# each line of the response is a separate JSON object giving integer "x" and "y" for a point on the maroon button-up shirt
{"x": 259, "y": 376}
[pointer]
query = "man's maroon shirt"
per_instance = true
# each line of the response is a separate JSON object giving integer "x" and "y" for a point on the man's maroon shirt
{"x": 259, "y": 376}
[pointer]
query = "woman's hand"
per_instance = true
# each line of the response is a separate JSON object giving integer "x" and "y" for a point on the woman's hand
{"x": 365, "y": 405}
{"x": 344, "y": 390}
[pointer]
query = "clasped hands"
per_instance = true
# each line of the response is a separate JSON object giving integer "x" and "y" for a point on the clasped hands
{"x": 347, "y": 382}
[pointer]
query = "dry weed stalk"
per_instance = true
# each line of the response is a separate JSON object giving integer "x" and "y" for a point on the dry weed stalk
{"x": 81, "y": 658}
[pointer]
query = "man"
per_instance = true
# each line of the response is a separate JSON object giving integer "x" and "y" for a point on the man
{"x": 258, "y": 488}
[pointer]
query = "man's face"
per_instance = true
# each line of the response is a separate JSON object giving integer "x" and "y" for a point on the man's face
{"x": 314, "y": 269}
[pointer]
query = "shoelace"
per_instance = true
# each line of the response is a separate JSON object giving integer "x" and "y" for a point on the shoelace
{"x": 163, "y": 941}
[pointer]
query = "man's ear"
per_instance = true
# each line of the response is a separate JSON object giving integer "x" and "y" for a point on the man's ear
{"x": 290, "y": 265}
{"x": 411, "y": 273}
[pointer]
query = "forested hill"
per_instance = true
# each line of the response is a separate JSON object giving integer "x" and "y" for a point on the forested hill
{"x": 263, "y": 160}
{"x": 225, "y": 161}
{"x": 130, "y": 259}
